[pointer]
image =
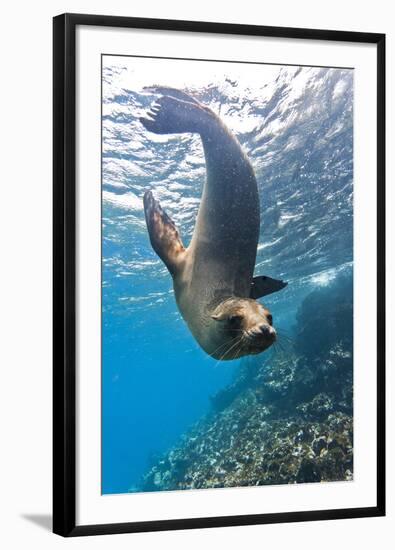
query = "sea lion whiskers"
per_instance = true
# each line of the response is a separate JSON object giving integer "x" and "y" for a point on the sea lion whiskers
{"x": 218, "y": 348}
{"x": 238, "y": 341}
{"x": 232, "y": 347}
{"x": 285, "y": 339}
{"x": 226, "y": 343}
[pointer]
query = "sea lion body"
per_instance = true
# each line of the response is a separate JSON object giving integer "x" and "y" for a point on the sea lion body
{"x": 213, "y": 277}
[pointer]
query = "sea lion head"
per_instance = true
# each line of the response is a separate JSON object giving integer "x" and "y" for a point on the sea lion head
{"x": 244, "y": 326}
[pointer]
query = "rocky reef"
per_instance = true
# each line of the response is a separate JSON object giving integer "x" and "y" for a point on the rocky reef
{"x": 284, "y": 420}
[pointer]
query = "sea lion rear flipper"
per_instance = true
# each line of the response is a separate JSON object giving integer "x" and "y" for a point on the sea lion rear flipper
{"x": 173, "y": 115}
{"x": 262, "y": 286}
{"x": 164, "y": 237}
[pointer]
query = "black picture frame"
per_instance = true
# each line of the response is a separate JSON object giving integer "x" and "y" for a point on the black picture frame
{"x": 64, "y": 273}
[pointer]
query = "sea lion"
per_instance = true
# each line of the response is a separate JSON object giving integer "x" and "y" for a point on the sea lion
{"x": 214, "y": 286}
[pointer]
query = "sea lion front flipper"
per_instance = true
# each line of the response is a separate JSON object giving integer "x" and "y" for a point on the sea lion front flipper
{"x": 262, "y": 286}
{"x": 164, "y": 237}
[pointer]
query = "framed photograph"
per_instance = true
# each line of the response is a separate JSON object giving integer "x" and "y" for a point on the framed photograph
{"x": 218, "y": 274}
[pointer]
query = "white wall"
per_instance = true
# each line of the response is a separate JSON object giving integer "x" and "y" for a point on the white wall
{"x": 25, "y": 300}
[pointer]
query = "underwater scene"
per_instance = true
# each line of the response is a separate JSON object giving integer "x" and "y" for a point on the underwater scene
{"x": 175, "y": 416}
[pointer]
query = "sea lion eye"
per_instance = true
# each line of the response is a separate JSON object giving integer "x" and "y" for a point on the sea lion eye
{"x": 235, "y": 320}
{"x": 269, "y": 318}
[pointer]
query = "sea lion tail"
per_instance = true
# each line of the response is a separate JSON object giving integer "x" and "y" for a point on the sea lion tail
{"x": 174, "y": 115}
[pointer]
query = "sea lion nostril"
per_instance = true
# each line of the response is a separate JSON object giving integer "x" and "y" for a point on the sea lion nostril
{"x": 268, "y": 331}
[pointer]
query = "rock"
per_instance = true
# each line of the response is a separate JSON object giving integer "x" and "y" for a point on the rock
{"x": 308, "y": 472}
{"x": 319, "y": 444}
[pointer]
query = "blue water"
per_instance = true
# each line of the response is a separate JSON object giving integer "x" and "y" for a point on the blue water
{"x": 296, "y": 125}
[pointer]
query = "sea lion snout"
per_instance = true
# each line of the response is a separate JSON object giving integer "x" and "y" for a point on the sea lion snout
{"x": 261, "y": 336}
{"x": 268, "y": 332}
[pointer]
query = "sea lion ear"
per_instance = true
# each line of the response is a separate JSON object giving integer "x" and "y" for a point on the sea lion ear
{"x": 219, "y": 316}
{"x": 262, "y": 286}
